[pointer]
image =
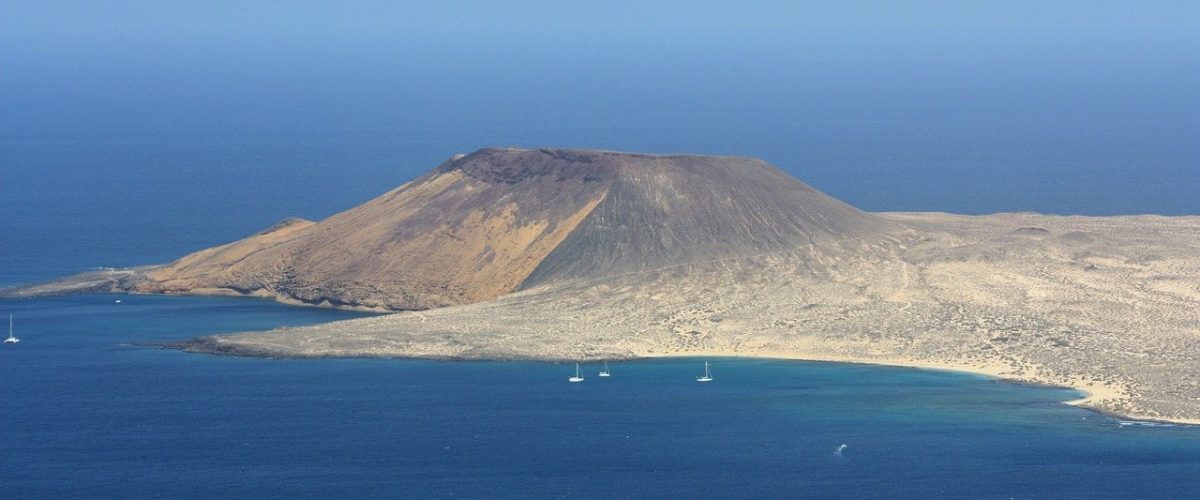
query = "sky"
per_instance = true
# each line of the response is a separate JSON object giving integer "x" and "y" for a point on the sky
{"x": 972, "y": 107}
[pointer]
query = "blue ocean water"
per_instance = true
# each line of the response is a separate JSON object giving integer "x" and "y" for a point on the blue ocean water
{"x": 132, "y": 133}
{"x": 89, "y": 412}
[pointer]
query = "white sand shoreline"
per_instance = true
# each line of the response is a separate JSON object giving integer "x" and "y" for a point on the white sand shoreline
{"x": 1092, "y": 393}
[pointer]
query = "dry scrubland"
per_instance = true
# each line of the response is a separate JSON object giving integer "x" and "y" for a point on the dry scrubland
{"x": 1107, "y": 305}
{"x": 579, "y": 254}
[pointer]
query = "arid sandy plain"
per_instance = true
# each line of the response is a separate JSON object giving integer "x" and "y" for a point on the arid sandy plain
{"x": 1107, "y": 305}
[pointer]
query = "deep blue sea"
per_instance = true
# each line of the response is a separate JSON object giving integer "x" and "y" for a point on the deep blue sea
{"x": 134, "y": 132}
{"x": 90, "y": 413}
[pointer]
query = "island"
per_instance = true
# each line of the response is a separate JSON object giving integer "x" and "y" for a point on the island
{"x": 559, "y": 254}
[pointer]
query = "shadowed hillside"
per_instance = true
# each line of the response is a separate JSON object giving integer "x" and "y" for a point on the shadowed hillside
{"x": 667, "y": 210}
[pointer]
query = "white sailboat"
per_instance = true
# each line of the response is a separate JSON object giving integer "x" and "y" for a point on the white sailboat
{"x": 707, "y": 377}
{"x": 11, "y": 339}
{"x": 604, "y": 372}
{"x": 577, "y": 377}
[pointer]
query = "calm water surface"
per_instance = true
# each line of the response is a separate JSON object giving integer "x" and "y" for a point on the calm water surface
{"x": 87, "y": 412}
{"x": 135, "y": 132}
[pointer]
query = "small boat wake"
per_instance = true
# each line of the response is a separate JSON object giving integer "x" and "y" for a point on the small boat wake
{"x": 1131, "y": 423}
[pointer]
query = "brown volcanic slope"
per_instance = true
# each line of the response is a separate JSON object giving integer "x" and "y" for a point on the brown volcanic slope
{"x": 498, "y": 220}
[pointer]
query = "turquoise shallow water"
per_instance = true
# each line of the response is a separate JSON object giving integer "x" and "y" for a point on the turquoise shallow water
{"x": 87, "y": 412}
